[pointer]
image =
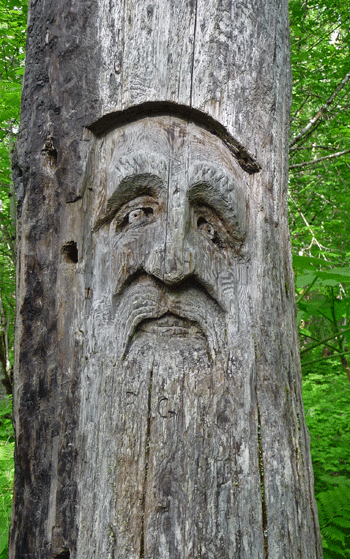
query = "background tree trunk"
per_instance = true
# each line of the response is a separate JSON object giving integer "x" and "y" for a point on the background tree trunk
{"x": 151, "y": 448}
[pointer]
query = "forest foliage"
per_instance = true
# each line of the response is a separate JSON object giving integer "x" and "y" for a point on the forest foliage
{"x": 13, "y": 19}
{"x": 319, "y": 210}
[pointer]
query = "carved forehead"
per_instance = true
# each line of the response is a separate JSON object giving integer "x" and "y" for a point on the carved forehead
{"x": 168, "y": 134}
{"x": 163, "y": 144}
{"x": 111, "y": 121}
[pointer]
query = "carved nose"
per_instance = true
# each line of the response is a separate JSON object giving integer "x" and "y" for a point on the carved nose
{"x": 174, "y": 261}
{"x": 178, "y": 260}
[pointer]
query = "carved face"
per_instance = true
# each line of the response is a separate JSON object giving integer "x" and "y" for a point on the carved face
{"x": 167, "y": 339}
{"x": 174, "y": 224}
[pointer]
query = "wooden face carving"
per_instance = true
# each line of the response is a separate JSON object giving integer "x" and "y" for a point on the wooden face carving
{"x": 174, "y": 226}
{"x": 167, "y": 380}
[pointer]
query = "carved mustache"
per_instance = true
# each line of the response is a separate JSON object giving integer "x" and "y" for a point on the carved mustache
{"x": 144, "y": 297}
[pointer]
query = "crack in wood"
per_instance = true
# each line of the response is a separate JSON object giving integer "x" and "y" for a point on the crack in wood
{"x": 194, "y": 50}
{"x": 147, "y": 444}
{"x": 262, "y": 489}
{"x": 167, "y": 219}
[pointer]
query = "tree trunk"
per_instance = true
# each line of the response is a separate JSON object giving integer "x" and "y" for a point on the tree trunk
{"x": 157, "y": 399}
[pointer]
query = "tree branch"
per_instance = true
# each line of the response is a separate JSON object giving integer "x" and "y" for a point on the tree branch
{"x": 319, "y": 160}
{"x": 303, "y": 295}
{"x": 315, "y": 120}
{"x": 299, "y": 148}
{"x": 301, "y": 106}
{"x": 325, "y": 340}
{"x": 332, "y": 347}
{"x": 324, "y": 358}
{"x": 314, "y": 240}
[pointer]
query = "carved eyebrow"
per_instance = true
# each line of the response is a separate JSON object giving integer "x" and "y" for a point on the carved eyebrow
{"x": 207, "y": 193}
{"x": 130, "y": 187}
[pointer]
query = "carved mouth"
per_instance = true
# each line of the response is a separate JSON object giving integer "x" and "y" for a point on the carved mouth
{"x": 150, "y": 307}
{"x": 171, "y": 325}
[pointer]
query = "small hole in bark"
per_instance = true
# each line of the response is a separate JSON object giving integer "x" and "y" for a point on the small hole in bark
{"x": 50, "y": 152}
{"x": 70, "y": 251}
{"x": 65, "y": 554}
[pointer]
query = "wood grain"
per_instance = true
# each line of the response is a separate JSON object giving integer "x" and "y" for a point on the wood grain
{"x": 157, "y": 407}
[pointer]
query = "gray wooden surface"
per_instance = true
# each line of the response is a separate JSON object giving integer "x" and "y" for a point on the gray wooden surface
{"x": 157, "y": 406}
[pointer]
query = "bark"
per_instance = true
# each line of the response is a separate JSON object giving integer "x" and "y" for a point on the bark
{"x": 157, "y": 399}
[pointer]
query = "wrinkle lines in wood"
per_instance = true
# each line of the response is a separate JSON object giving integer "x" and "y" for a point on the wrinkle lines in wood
{"x": 147, "y": 452}
{"x": 262, "y": 488}
{"x": 194, "y": 49}
{"x": 167, "y": 220}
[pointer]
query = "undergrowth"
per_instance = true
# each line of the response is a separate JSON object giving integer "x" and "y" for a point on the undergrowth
{"x": 6, "y": 472}
{"x": 326, "y": 394}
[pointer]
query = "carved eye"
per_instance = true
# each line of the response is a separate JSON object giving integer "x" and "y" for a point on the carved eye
{"x": 212, "y": 228}
{"x": 138, "y": 212}
{"x": 139, "y": 215}
{"x": 204, "y": 226}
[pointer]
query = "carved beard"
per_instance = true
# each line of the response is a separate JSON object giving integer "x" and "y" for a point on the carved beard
{"x": 171, "y": 380}
{"x": 166, "y": 390}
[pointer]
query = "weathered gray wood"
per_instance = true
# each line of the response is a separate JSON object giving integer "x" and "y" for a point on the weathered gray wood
{"x": 158, "y": 407}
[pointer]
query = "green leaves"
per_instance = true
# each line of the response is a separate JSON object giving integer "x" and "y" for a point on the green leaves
{"x": 319, "y": 209}
{"x": 6, "y": 472}
{"x": 326, "y": 395}
{"x": 309, "y": 267}
{"x": 320, "y": 48}
{"x": 320, "y": 233}
{"x": 13, "y": 17}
